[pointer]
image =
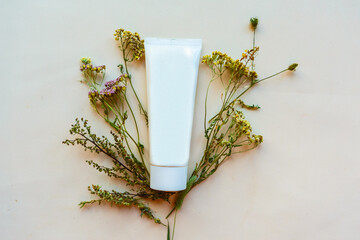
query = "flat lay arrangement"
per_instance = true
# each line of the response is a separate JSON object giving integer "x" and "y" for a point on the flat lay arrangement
{"x": 171, "y": 71}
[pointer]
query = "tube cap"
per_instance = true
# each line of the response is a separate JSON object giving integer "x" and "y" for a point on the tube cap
{"x": 168, "y": 178}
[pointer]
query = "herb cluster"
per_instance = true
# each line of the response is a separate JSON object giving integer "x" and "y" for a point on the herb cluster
{"x": 226, "y": 133}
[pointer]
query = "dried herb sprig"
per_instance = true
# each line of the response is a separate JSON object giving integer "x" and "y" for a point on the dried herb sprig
{"x": 110, "y": 101}
{"x": 132, "y": 48}
{"x": 120, "y": 199}
{"x": 228, "y": 132}
{"x": 125, "y": 167}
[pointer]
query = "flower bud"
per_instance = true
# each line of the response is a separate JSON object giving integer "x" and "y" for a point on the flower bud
{"x": 293, "y": 66}
{"x": 254, "y": 22}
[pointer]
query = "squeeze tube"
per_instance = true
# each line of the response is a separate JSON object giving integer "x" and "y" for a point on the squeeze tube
{"x": 171, "y": 72}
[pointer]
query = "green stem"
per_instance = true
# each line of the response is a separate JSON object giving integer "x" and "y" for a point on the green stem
{"x": 252, "y": 84}
{"x": 138, "y": 135}
{"x": 132, "y": 87}
{"x": 223, "y": 108}
{"x": 206, "y": 97}
{"x": 132, "y": 114}
{"x": 231, "y": 94}
{"x": 173, "y": 233}
{"x": 245, "y": 150}
{"x": 252, "y": 62}
{"x": 272, "y": 75}
{"x": 122, "y": 130}
{"x": 218, "y": 158}
{"x": 123, "y": 126}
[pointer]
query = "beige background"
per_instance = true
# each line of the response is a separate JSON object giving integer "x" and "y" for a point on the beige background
{"x": 302, "y": 183}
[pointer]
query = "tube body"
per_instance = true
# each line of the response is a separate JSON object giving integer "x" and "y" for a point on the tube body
{"x": 171, "y": 71}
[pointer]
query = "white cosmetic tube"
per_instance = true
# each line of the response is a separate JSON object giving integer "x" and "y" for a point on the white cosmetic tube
{"x": 171, "y": 71}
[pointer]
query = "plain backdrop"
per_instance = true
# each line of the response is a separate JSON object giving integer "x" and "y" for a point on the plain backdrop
{"x": 303, "y": 182}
